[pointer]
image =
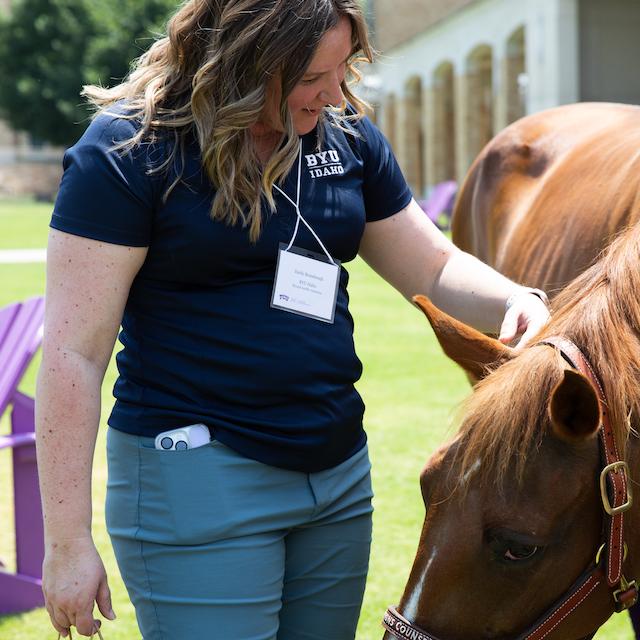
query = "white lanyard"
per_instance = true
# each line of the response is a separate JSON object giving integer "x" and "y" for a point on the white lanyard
{"x": 305, "y": 284}
{"x": 296, "y": 206}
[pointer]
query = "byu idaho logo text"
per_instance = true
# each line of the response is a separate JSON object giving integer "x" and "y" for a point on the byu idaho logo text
{"x": 324, "y": 163}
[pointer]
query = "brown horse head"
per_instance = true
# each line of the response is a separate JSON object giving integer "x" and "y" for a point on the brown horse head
{"x": 513, "y": 510}
{"x": 495, "y": 542}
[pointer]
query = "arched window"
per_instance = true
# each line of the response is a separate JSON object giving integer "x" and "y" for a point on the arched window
{"x": 516, "y": 76}
{"x": 479, "y": 98}
{"x": 389, "y": 119}
{"x": 411, "y": 143}
{"x": 441, "y": 130}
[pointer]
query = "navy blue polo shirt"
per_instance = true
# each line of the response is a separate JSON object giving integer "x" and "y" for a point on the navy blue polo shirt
{"x": 200, "y": 341}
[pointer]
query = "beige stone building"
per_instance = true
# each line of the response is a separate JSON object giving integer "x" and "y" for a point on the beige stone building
{"x": 452, "y": 73}
{"x": 27, "y": 167}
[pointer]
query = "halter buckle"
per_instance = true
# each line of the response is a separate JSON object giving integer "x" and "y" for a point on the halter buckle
{"x": 626, "y": 596}
{"x": 604, "y": 546}
{"x": 613, "y": 468}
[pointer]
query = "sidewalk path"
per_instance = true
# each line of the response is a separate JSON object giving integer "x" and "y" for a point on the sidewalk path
{"x": 22, "y": 256}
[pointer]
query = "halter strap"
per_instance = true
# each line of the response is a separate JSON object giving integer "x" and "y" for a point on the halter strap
{"x": 615, "y": 489}
{"x": 578, "y": 593}
{"x": 616, "y": 498}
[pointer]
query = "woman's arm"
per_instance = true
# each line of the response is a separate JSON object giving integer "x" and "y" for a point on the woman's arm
{"x": 87, "y": 287}
{"x": 409, "y": 252}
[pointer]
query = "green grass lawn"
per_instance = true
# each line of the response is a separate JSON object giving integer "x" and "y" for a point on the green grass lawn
{"x": 411, "y": 391}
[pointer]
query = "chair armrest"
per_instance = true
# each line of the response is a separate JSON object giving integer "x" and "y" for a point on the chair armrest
{"x": 17, "y": 440}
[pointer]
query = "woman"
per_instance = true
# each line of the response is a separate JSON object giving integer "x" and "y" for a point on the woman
{"x": 207, "y": 209}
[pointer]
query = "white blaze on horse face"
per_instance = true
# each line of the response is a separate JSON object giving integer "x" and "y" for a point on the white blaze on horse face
{"x": 411, "y": 608}
{"x": 472, "y": 471}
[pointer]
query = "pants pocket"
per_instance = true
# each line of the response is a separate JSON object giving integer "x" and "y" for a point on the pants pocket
{"x": 209, "y": 493}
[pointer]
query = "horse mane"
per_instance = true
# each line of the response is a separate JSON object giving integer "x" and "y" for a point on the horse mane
{"x": 506, "y": 417}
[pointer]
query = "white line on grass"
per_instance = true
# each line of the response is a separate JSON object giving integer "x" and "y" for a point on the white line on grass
{"x": 14, "y": 256}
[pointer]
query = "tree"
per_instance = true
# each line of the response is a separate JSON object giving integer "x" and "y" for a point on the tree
{"x": 49, "y": 49}
{"x": 126, "y": 30}
{"x": 42, "y": 49}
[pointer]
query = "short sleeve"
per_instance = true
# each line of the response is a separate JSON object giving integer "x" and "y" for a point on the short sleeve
{"x": 384, "y": 188}
{"x": 105, "y": 193}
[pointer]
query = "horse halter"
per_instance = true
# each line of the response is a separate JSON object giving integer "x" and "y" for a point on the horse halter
{"x": 607, "y": 568}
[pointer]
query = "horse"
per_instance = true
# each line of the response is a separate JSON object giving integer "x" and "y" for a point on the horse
{"x": 512, "y": 544}
{"x": 549, "y": 192}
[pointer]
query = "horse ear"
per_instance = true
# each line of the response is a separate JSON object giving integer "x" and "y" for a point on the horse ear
{"x": 574, "y": 408}
{"x": 472, "y": 350}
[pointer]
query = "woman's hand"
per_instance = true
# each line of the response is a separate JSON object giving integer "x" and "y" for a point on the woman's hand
{"x": 527, "y": 312}
{"x": 73, "y": 580}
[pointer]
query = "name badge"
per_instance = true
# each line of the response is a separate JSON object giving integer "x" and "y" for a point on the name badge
{"x": 306, "y": 283}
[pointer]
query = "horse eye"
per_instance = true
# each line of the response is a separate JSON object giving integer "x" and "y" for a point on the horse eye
{"x": 517, "y": 552}
{"x": 511, "y": 547}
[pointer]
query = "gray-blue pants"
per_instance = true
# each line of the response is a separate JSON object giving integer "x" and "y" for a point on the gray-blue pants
{"x": 213, "y": 545}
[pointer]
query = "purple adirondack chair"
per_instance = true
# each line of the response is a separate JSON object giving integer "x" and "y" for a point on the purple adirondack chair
{"x": 20, "y": 337}
{"x": 439, "y": 205}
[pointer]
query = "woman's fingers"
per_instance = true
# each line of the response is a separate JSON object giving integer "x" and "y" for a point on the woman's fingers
{"x": 103, "y": 600}
{"x": 87, "y": 625}
{"x": 82, "y": 620}
{"x": 526, "y": 315}
{"x": 59, "y": 620}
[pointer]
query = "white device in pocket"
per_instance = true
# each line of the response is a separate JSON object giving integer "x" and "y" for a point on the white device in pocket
{"x": 195, "y": 435}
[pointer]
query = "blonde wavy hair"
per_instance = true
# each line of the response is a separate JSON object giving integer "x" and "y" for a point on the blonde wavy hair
{"x": 209, "y": 76}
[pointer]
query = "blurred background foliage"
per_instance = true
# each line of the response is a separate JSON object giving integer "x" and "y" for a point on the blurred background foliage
{"x": 49, "y": 49}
